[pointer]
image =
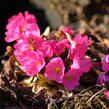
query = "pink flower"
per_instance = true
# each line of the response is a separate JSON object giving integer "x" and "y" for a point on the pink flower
{"x": 59, "y": 47}
{"x": 83, "y": 65}
{"x": 38, "y": 42}
{"x": 79, "y": 47}
{"x": 55, "y": 70}
{"x": 32, "y": 30}
{"x": 71, "y": 78}
{"x": 21, "y": 46}
{"x": 20, "y": 25}
{"x": 46, "y": 49}
{"x": 25, "y": 44}
{"x": 103, "y": 78}
{"x": 82, "y": 39}
{"x": 43, "y": 46}
{"x": 68, "y": 30}
{"x": 105, "y": 63}
{"x": 14, "y": 26}
{"x": 29, "y": 17}
{"x": 78, "y": 68}
{"x": 13, "y": 21}
{"x": 106, "y": 92}
{"x": 31, "y": 62}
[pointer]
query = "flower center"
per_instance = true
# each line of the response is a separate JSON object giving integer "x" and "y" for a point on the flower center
{"x": 22, "y": 28}
{"x": 57, "y": 69}
{"x": 38, "y": 62}
{"x": 68, "y": 77}
{"x": 76, "y": 44}
{"x": 31, "y": 44}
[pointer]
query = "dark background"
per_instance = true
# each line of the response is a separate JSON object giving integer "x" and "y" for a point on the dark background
{"x": 11, "y": 7}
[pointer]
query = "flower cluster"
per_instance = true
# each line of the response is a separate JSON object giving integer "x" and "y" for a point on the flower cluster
{"x": 40, "y": 55}
{"x": 104, "y": 77}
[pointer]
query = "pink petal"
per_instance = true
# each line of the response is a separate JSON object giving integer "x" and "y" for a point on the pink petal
{"x": 71, "y": 78}
{"x": 83, "y": 65}
{"x": 106, "y": 93}
{"x": 55, "y": 70}
{"x": 103, "y": 78}
{"x": 31, "y": 62}
{"x": 105, "y": 63}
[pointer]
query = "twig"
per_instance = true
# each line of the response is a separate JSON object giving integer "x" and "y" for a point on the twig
{"x": 54, "y": 104}
{"x": 94, "y": 95}
{"x": 104, "y": 107}
{"x": 87, "y": 89}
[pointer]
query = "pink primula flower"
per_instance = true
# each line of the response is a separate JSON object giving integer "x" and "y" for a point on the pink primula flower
{"x": 38, "y": 42}
{"x": 103, "y": 78}
{"x": 32, "y": 30}
{"x": 79, "y": 47}
{"x": 46, "y": 49}
{"x": 20, "y": 25}
{"x": 30, "y": 18}
{"x": 59, "y": 47}
{"x": 55, "y": 70}
{"x": 83, "y": 65}
{"x": 106, "y": 92}
{"x": 71, "y": 78}
{"x": 68, "y": 30}
{"x": 24, "y": 44}
{"x": 14, "y": 25}
{"x": 105, "y": 63}
{"x": 43, "y": 46}
{"x": 21, "y": 46}
{"x": 14, "y": 20}
{"x": 31, "y": 62}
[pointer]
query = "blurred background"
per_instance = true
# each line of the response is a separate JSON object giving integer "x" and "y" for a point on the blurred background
{"x": 81, "y": 15}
